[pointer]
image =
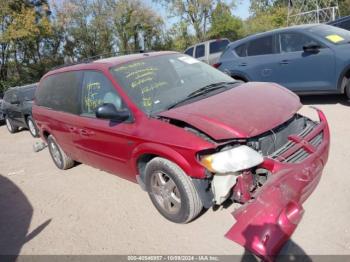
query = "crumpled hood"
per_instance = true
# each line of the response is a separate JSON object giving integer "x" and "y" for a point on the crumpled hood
{"x": 244, "y": 111}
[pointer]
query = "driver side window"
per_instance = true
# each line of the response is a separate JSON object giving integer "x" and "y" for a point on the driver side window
{"x": 98, "y": 90}
{"x": 294, "y": 42}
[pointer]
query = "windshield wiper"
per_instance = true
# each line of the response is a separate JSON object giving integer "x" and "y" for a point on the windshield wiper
{"x": 201, "y": 91}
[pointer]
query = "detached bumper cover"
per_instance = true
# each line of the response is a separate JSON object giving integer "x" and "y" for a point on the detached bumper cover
{"x": 267, "y": 222}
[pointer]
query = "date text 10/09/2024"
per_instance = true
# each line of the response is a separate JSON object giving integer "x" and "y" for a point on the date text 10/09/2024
{"x": 173, "y": 258}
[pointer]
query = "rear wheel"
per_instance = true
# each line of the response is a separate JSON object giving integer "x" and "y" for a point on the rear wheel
{"x": 32, "y": 127}
{"x": 59, "y": 157}
{"x": 172, "y": 191}
{"x": 10, "y": 126}
{"x": 347, "y": 89}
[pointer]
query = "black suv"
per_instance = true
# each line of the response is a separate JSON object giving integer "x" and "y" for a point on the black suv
{"x": 17, "y": 108}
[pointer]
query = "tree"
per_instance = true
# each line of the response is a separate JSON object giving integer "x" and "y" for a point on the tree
{"x": 266, "y": 15}
{"x": 344, "y": 7}
{"x": 85, "y": 27}
{"x": 25, "y": 30}
{"x": 193, "y": 12}
{"x": 181, "y": 38}
{"x": 134, "y": 21}
{"x": 224, "y": 24}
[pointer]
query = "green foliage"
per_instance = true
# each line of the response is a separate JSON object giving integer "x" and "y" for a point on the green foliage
{"x": 266, "y": 15}
{"x": 181, "y": 38}
{"x": 344, "y": 7}
{"x": 133, "y": 20}
{"x": 224, "y": 24}
{"x": 25, "y": 45}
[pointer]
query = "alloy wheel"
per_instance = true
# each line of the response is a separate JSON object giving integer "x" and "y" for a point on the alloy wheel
{"x": 32, "y": 128}
{"x": 9, "y": 125}
{"x": 166, "y": 192}
{"x": 56, "y": 154}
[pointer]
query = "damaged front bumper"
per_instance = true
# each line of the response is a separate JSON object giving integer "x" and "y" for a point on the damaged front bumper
{"x": 267, "y": 221}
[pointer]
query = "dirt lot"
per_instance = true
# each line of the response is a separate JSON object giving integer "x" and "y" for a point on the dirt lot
{"x": 87, "y": 211}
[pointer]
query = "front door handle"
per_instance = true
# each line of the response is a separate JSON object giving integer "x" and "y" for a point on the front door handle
{"x": 243, "y": 64}
{"x": 284, "y": 62}
{"x": 73, "y": 129}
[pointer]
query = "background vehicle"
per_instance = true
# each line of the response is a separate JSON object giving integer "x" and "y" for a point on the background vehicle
{"x": 210, "y": 142}
{"x": 343, "y": 22}
{"x": 17, "y": 108}
{"x": 208, "y": 51}
{"x": 307, "y": 59}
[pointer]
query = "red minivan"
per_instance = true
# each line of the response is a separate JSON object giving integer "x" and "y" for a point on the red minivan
{"x": 191, "y": 136}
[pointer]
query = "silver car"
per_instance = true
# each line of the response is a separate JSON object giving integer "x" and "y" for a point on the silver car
{"x": 209, "y": 51}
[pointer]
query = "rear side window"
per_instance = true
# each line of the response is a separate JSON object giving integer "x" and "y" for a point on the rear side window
{"x": 261, "y": 46}
{"x": 200, "y": 51}
{"x": 96, "y": 91}
{"x": 60, "y": 92}
{"x": 241, "y": 50}
{"x": 189, "y": 51}
{"x": 218, "y": 46}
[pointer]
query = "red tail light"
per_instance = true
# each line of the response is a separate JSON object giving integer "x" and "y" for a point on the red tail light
{"x": 216, "y": 65}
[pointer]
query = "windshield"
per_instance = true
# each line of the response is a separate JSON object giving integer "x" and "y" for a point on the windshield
{"x": 155, "y": 83}
{"x": 332, "y": 34}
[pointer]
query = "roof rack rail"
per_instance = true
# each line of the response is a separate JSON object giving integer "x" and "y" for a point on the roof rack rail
{"x": 101, "y": 56}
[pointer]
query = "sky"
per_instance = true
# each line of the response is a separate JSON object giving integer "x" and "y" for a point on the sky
{"x": 242, "y": 9}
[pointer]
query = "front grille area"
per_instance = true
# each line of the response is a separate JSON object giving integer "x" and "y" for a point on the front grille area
{"x": 300, "y": 154}
{"x": 291, "y": 142}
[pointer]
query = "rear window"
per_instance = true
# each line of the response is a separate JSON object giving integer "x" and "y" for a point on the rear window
{"x": 11, "y": 96}
{"x": 7, "y": 96}
{"x": 60, "y": 92}
{"x": 189, "y": 51}
{"x": 218, "y": 46}
{"x": 28, "y": 93}
{"x": 261, "y": 46}
{"x": 200, "y": 51}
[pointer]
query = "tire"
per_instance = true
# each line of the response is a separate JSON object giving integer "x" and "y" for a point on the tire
{"x": 32, "y": 127}
{"x": 347, "y": 89}
{"x": 172, "y": 191}
{"x": 10, "y": 126}
{"x": 59, "y": 157}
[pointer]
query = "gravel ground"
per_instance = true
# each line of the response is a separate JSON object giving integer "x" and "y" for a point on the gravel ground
{"x": 86, "y": 211}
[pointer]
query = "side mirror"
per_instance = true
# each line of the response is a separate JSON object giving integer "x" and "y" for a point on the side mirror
{"x": 108, "y": 111}
{"x": 312, "y": 48}
{"x": 15, "y": 102}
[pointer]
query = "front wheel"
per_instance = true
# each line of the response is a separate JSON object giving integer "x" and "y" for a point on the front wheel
{"x": 10, "y": 126}
{"x": 32, "y": 127}
{"x": 172, "y": 191}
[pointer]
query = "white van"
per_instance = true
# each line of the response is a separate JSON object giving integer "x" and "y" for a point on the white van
{"x": 208, "y": 51}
